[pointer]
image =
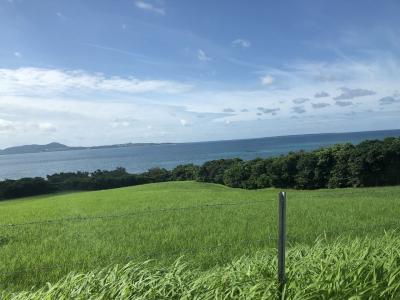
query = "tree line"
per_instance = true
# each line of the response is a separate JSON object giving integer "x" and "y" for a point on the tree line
{"x": 90, "y": 181}
{"x": 370, "y": 163}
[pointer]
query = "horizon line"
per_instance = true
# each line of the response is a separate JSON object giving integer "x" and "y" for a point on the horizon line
{"x": 209, "y": 141}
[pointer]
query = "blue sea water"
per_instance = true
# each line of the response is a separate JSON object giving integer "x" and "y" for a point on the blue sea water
{"x": 140, "y": 158}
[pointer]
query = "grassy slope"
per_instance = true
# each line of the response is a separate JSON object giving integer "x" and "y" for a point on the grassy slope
{"x": 208, "y": 236}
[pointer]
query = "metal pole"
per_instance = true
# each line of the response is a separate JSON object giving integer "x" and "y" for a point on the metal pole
{"x": 281, "y": 239}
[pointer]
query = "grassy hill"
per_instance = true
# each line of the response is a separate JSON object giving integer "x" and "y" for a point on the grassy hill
{"x": 211, "y": 225}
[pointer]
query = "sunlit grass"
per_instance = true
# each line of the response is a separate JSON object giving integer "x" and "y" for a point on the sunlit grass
{"x": 207, "y": 236}
{"x": 361, "y": 268}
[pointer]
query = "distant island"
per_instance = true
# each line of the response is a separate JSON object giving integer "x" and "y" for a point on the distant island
{"x": 53, "y": 147}
{"x": 296, "y": 138}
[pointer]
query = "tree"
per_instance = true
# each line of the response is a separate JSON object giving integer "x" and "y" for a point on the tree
{"x": 185, "y": 172}
{"x": 306, "y": 167}
{"x": 284, "y": 170}
{"x": 157, "y": 175}
{"x": 340, "y": 175}
{"x": 236, "y": 175}
{"x": 213, "y": 171}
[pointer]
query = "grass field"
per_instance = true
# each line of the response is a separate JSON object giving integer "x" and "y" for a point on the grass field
{"x": 210, "y": 225}
{"x": 360, "y": 268}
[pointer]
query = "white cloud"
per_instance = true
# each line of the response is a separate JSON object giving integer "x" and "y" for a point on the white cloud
{"x": 6, "y": 125}
{"x": 150, "y": 7}
{"x": 46, "y": 126}
{"x": 183, "y": 122}
{"x": 40, "y": 120}
{"x": 17, "y": 54}
{"x": 106, "y": 112}
{"x": 201, "y": 55}
{"x": 26, "y": 126}
{"x": 303, "y": 80}
{"x": 117, "y": 124}
{"x": 61, "y": 16}
{"x": 42, "y": 81}
{"x": 267, "y": 80}
{"x": 241, "y": 43}
{"x": 122, "y": 122}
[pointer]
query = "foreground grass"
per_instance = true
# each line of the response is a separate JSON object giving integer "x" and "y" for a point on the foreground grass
{"x": 155, "y": 226}
{"x": 362, "y": 268}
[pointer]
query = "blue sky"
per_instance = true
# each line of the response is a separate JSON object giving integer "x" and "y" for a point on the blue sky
{"x": 103, "y": 72}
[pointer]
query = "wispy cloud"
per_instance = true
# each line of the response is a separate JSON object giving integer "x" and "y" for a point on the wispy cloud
{"x": 343, "y": 103}
{"x": 242, "y": 43}
{"x": 116, "y": 50}
{"x": 183, "y": 122}
{"x": 202, "y": 56}
{"x": 6, "y": 125}
{"x": 138, "y": 56}
{"x": 300, "y": 100}
{"x": 348, "y": 93}
{"x": 61, "y": 16}
{"x": 266, "y": 80}
{"x": 320, "y": 105}
{"x": 321, "y": 94}
{"x": 298, "y": 109}
{"x": 323, "y": 75}
{"x": 42, "y": 81}
{"x": 388, "y": 100}
{"x": 265, "y": 110}
{"x": 122, "y": 122}
{"x": 46, "y": 126}
{"x": 17, "y": 54}
{"x": 150, "y": 7}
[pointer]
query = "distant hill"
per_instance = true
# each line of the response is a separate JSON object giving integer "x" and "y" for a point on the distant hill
{"x": 37, "y": 148}
{"x": 52, "y": 147}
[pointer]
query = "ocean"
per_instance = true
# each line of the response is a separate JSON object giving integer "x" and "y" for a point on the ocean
{"x": 140, "y": 158}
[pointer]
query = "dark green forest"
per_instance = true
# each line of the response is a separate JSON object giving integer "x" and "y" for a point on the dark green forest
{"x": 370, "y": 163}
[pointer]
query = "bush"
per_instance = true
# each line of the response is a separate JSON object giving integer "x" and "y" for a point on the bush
{"x": 24, "y": 187}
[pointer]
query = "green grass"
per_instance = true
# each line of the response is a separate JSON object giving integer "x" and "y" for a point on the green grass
{"x": 361, "y": 268}
{"x": 209, "y": 237}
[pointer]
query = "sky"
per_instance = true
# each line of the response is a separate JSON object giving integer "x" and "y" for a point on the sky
{"x": 96, "y": 72}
